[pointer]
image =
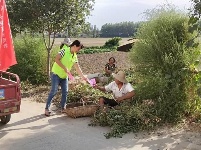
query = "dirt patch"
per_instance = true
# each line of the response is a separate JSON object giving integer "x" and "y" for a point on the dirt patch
{"x": 94, "y": 63}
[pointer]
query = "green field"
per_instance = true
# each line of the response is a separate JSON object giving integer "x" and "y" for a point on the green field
{"x": 90, "y": 41}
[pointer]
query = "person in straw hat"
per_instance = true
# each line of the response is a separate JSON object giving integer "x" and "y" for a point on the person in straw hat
{"x": 120, "y": 89}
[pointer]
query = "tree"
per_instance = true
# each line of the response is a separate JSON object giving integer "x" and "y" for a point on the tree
{"x": 196, "y": 8}
{"x": 49, "y": 16}
{"x": 123, "y": 29}
{"x": 19, "y": 15}
{"x": 195, "y": 14}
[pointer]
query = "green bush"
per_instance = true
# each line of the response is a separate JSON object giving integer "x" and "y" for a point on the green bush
{"x": 164, "y": 59}
{"x": 31, "y": 57}
{"x": 114, "y": 42}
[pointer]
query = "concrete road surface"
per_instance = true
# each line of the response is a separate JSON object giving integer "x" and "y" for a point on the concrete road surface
{"x": 31, "y": 130}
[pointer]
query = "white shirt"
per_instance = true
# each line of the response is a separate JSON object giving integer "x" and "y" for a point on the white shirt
{"x": 112, "y": 87}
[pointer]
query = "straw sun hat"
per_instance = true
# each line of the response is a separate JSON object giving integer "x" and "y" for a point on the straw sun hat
{"x": 120, "y": 76}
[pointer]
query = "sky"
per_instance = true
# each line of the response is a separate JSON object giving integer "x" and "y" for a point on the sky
{"x": 116, "y": 11}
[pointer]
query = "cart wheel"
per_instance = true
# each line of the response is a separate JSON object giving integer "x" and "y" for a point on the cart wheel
{"x": 5, "y": 119}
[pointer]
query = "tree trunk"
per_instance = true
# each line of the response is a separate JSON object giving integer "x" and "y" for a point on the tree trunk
{"x": 49, "y": 48}
{"x": 68, "y": 31}
{"x": 48, "y": 62}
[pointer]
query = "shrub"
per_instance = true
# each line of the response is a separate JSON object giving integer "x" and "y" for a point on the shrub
{"x": 31, "y": 58}
{"x": 166, "y": 90}
{"x": 114, "y": 42}
{"x": 164, "y": 60}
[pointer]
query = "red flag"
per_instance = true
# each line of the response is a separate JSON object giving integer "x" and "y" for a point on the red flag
{"x": 7, "y": 53}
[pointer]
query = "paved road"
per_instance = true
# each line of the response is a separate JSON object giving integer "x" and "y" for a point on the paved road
{"x": 31, "y": 130}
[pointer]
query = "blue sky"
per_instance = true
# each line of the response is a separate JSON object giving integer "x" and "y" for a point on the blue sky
{"x": 115, "y": 11}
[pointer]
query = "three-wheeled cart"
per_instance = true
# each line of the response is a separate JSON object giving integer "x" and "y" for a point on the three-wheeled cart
{"x": 10, "y": 96}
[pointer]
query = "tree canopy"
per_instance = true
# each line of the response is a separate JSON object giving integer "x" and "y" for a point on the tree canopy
{"x": 123, "y": 29}
{"x": 49, "y": 16}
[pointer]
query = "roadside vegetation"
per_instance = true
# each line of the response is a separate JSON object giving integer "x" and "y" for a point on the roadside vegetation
{"x": 165, "y": 77}
{"x": 162, "y": 67}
